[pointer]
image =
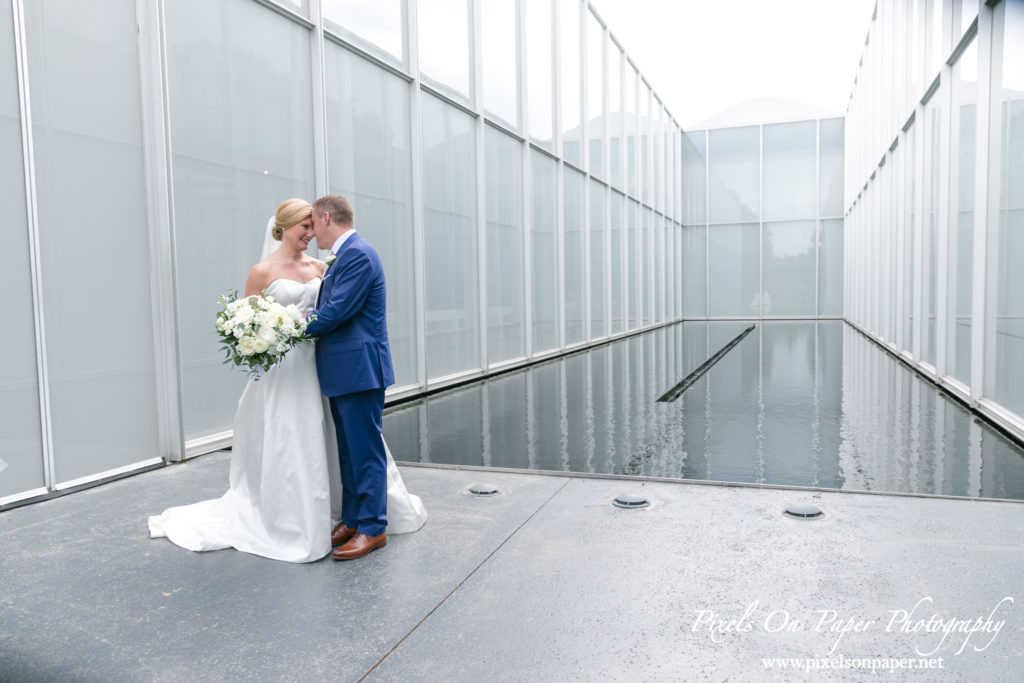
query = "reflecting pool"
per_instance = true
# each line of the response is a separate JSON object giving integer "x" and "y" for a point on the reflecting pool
{"x": 805, "y": 403}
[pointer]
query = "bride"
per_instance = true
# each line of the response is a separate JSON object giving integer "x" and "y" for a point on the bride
{"x": 285, "y": 483}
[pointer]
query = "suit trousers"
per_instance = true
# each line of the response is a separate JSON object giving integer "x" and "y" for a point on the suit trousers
{"x": 364, "y": 483}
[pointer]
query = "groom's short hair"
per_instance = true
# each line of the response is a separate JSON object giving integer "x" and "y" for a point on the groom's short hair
{"x": 338, "y": 207}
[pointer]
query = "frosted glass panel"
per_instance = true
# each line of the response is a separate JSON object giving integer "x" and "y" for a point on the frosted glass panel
{"x": 630, "y": 129}
{"x": 733, "y": 271}
{"x": 444, "y": 44}
{"x": 734, "y": 174}
{"x": 570, "y": 87}
{"x": 789, "y": 270}
{"x": 598, "y": 284}
{"x": 615, "y": 114}
{"x": 498, "y": 23}
{"x": 544, "y": 249}
{"x": 21, "y": 449}
{"x": 87, "y": 129}
{"x": 694, "y": 264}
{"x": 1007, "y": 384}
{"x": 958, "y": 344}
{"x": 830, "y": 170}
{"x": 595, "y": 94}
{"x": 694, "y": 160}
{"x": 539, "y": 71}
{"x": 369, "y": 160}
{"x": 932, "y": 166}
{"x": 617, "y": 284}
{"x": 647, "y": 266}
{"x": 633, "y": 265}
{"x": 449, "y": 213}
{"x": 575, "y": 282}
{"x": 377, "y": 22}
{"x": 790, "y": 170}
{"x": 252, "y": 91}
{"x": 830, "y": 267}
{"x": 504, "y": 206}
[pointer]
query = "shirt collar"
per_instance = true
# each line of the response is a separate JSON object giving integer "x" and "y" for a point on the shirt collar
{"x": 338, "y": 243}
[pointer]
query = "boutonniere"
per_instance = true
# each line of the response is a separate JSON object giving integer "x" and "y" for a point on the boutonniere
{"x": 330, "y": 260}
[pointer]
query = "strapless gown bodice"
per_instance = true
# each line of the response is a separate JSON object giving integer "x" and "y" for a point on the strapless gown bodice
{"x": 287, "y": 292}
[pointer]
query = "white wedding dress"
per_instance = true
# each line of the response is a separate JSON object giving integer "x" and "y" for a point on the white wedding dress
{"x": 285, "y": 483}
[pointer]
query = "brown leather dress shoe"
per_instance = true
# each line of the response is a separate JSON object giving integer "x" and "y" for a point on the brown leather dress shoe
{"x": 341, "y": 535}
{"x": 360, "y": 545}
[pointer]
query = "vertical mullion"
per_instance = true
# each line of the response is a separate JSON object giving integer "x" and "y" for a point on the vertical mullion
{"x": 32, "y": 214}
{"x": 418, "y": 228}
{"x": 526, "y": 290}
{"x": 987, "y": 182}
{"x": 159, "y": 214}
{"x": 476, "y": 49}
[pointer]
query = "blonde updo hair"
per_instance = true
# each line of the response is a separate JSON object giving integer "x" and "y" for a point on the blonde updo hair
{"x": 290, "y": 212}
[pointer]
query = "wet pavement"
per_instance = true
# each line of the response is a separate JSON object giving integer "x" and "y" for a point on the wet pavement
{"x": 546, "y": 581}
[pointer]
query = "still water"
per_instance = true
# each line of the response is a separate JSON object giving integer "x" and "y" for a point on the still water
{"x": 793, "y": 403}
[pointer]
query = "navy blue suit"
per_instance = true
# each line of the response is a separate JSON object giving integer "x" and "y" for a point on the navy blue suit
{"x": 353, "y": 362}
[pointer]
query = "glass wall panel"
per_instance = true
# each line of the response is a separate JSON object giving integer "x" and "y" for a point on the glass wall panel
{"x": 572, "y": 124}
{"x": 789, "y": 268}
{"x": 909, "y": 240}
{"x": 615, "y": 114}
{"x": 369, "y": 159}
{"x": 694, "y": 159}
{"x": 445, "y": 48}
{"x": 734, "y": 276}
{"x": 932, "y": 165}
{"x": 377, "y": 23}
{"x": 21, "y": 447}
{"x": 647, "y": 266}
{"x": 252, "y": 90}
{"x": 617, "y": 293}
{"x": 540, "y": 72}
{"x": 790, "y": 169}
{"x": 965, "y": 92}
{"x": 644, "y": 133}
{"x": 830, "y": 168}
{"x": 635, "y": 268}
{"x": 1008, "y": 384}
{"x": 449, "y": 220}
{"x": 830, "y": 267}
{"x": 499, "y": 44}
{"x": 504, "y": 207}
{"x": 734, "y": 174}
{"x": 544, "y": 248}
{"x": 694, "y": 264}
{"x": 630, "y": 124}
{"x": 575, "y": 277}
{"x": 595, "y": 94}
{"x": 598, "y": 283}
{"x": 87, "y": 133}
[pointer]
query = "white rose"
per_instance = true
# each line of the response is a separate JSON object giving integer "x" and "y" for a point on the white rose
{"x": 246, "y": 346}
{"x": 267, "y": 334}
{"x": 244, "y": 314}
{"x": 294, "y": 313}
{"x": 260, "y": 345}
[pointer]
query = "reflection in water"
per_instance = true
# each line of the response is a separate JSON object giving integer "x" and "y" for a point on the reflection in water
{"x": 795, "y": 403}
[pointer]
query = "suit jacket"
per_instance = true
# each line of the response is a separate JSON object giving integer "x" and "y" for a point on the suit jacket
{"x": 352, "y": 351}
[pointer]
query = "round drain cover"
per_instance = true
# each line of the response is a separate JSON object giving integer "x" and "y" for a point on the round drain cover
{"x": 803, "y": 511}
{"x": 484, "y": 490}
{"x": 630, "y": 501}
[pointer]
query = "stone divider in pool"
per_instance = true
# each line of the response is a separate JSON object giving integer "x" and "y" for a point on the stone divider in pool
{"x": 677, "y": 391}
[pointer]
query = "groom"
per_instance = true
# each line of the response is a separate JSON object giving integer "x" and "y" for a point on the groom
{"x": 353, "y": 362}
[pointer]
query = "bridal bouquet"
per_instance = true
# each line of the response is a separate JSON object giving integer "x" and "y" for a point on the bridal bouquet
{"x": 256, "y": 331}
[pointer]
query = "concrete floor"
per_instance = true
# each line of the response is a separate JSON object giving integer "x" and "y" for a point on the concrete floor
{"x": 546, "y": 582}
